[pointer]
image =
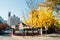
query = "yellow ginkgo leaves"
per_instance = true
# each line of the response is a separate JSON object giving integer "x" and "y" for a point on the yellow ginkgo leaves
{"x": 41, "y": 17}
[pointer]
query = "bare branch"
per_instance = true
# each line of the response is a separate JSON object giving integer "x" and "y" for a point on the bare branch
{"x": 32, "y": 3}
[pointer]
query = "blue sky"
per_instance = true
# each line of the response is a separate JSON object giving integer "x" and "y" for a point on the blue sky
{"x": 14, "y": 6}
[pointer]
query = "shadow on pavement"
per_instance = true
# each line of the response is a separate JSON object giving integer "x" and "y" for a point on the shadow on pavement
{"x": 53, "y": 35}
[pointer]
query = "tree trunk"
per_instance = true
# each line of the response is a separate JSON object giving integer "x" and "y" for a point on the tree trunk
{"x": 41, "y": 31}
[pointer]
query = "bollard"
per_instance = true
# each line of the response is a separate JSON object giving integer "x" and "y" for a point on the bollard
{"x": 11, "y": 34}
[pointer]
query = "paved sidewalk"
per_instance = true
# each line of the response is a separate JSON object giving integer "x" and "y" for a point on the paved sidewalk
{"x": 44, "y": 37}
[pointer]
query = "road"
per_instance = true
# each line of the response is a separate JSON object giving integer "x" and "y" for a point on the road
{"x": 45, "y": 37}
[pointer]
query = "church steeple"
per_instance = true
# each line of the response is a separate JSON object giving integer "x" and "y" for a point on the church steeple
{"x": 9, "y": 14}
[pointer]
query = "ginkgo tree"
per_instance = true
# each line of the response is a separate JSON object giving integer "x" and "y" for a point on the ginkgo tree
{"x": 32, "y": 21}
{"x": 49, "y": 16}
{"x": 41, "y": 18}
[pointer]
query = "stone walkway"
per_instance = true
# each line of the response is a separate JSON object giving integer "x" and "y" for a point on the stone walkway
{"x": 45, "y": 37}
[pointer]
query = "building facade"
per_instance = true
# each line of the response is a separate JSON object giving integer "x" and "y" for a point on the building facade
{"x": 12, "y": 20}
{"x": 2, "y": 20}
